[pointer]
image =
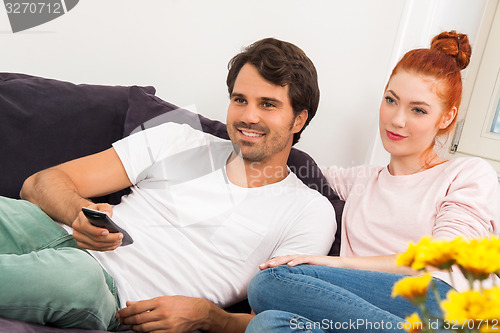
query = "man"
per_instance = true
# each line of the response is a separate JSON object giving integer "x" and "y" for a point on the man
{"x": 203, "y": 212}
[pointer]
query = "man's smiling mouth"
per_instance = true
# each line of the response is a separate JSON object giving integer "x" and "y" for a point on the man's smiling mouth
{"x": 251, "y": 134}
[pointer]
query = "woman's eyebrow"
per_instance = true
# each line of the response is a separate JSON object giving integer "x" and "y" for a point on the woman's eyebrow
{"x": 420, "y": 103}
{"x": 393, "y": 93}
{"x": 412, "y": 103}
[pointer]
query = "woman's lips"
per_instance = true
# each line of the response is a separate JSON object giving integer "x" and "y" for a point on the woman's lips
{"x": 394, "y": 136}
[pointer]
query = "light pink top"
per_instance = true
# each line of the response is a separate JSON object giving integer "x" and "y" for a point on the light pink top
{"x": 384, "y": 212}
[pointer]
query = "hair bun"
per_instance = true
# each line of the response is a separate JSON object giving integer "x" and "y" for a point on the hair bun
{"x": 454, "y": 45}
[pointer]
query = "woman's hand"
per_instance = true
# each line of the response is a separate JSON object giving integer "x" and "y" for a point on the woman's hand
{"x": 298, "y": 259}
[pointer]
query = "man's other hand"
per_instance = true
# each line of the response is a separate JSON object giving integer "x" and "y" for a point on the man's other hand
{"x": 167, "y": 314}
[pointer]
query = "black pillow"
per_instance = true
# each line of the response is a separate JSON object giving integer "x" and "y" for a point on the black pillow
{"x": 146, "y": 110}
{"x": 45, "y": 122}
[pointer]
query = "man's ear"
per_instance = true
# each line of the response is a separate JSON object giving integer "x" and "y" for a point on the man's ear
{"x": 300, "y": 121}
{"x": 448, "y": 118}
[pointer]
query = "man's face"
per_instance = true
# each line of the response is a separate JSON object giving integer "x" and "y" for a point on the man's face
{"x": 260, "y": 118}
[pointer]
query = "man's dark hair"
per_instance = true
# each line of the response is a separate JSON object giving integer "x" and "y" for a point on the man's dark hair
{"x": 284, "y": 64}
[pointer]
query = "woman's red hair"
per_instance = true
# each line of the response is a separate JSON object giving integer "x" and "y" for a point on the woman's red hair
{"x": 449, "y": 53}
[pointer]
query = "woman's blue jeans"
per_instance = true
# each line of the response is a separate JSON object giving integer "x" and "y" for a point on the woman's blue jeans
{"x": 310, "y": 298}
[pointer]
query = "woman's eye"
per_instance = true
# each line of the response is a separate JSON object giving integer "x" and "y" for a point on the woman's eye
{"x": 420, "y": 111}
{"x": 389, "y": 100}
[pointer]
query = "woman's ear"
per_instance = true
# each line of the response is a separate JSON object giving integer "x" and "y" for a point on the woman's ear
{"x": 299, "y": 121}
{"x": 447, "y": 118}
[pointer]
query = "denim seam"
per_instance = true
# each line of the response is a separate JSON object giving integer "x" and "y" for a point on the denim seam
{"x": 337, "y": 295}
{"x": 43, "y": 309}
{"x": 297, "y": 317}
{"x": 55, "y": 242}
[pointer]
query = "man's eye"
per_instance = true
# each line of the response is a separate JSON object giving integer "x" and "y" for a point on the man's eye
{"x": 268, "y": 105}
{"x": 239, "y": 100}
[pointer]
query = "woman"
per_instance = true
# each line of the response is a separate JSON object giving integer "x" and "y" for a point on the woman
{"x": 417, "y": 194}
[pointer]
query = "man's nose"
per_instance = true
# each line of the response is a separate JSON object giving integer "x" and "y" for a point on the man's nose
{"x": 250, "y": 114}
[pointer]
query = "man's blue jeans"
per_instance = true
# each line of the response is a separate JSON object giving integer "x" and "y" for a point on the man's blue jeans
{"x": 310, "y": 298}
{"x": 45, "y": 278}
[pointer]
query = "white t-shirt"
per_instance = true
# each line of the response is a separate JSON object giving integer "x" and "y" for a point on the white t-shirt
{"x": 197, "y": 234}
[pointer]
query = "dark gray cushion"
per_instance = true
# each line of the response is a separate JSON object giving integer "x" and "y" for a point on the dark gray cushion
{"x": 45, "y": 122}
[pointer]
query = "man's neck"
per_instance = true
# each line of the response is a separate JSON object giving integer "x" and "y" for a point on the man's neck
{"x": 249, "y": 174}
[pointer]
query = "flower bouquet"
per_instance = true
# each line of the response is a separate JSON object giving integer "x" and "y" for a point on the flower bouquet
{"x": 474, "y": 310}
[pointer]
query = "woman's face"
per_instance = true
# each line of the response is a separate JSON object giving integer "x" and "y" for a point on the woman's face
{"x": 411, "y": 114}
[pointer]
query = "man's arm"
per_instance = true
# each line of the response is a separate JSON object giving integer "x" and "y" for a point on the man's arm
{"x": 62, "y": 191}
{"x": 181, "y": 314}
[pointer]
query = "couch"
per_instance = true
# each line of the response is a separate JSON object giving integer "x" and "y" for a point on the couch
{"x": 45, "y": 122}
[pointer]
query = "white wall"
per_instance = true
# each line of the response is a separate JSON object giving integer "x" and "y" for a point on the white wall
{"x": 182, "y": 48}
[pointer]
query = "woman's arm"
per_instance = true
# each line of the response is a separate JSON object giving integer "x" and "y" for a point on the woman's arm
{"x": 471, "y": 206}
{"x": 385, "y": 263}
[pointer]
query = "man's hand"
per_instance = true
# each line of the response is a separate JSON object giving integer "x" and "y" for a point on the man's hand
{"x": 181, "y": 314}
{"x": 167, "y": 314}
{"x": 91, "y": 237}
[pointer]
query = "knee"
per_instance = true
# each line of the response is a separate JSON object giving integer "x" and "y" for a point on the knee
{"x": 257, "y": 294}
{"x": 79, "y": 276}
{"x": 86, "y": 295}
{"x": 265, "y": 287}
{"x": 68, "y": 289}
{"x": 270, "y": 320}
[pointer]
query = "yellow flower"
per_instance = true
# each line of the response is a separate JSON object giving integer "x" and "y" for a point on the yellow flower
{"x": 480, "y": 257}
{"x": 437, "y": 253}
{"x": 413, "y": 323}
{"x": 477, "y": 258}
{"x": 492, "y": 322}
{"x": 429, "y": 252}
{"x": 480, "y": 308}
{"x": 490, "y": 326}
{"x": 412, "y": 288}
{"x": 407, "y": 258}
{"x": 463, "y": 306}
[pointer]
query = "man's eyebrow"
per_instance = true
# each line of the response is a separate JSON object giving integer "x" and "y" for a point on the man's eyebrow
{"x": 235, "y": 94}
{"x": 270, "y": 99}
{"x": 263, "y": 99}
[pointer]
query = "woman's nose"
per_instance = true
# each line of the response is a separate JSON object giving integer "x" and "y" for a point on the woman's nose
{"x": 399, "y": 118}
